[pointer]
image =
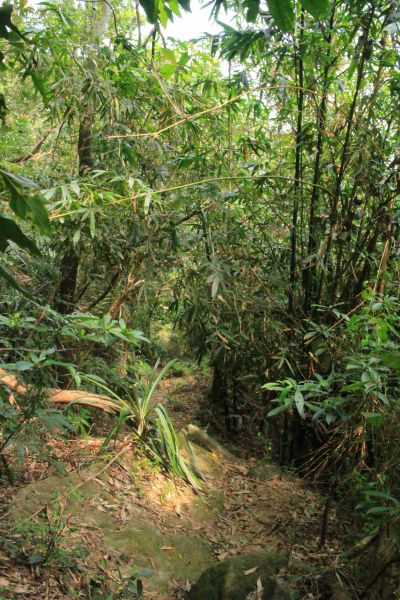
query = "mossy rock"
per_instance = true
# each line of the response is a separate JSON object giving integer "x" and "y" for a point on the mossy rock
{"x": 173, "y": 555}
{"x": 201, "y": 438}
{"x": 228, "y": 580}
{"x": 71, "y": 487}
{"x": 265, "y": 471}
{"x": 202, "y": 459}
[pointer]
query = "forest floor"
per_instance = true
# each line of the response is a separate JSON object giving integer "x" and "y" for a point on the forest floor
{"x": 83, "y": 535}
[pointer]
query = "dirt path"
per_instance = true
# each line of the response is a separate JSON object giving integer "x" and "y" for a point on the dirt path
{"x": 108, "y": 517}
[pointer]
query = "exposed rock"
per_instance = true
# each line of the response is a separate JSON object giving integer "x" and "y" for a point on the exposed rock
{"x": 240, "y": 577}
{"x": 207, "y": 462}
{"x": 145, "y": 533}
{"x": 173, "y": 555}
{"x": 201, "y": 438}
{"x": 265, "y": 471}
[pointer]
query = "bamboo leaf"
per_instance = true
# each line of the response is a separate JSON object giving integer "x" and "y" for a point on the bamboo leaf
{"x": 318, "y": 8}
{"x": 282, "y": 13}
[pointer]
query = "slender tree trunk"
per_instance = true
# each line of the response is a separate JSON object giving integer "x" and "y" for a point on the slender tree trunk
{"x": 219, "y": 392}
{"x": 85, "y": 160}
{"x": 298, "y": 188}
{"x": 383, "y": 267}
{"x": 333, "y": 218}
{"x": 309, "y": 273}
{"x": 67, "y": 288}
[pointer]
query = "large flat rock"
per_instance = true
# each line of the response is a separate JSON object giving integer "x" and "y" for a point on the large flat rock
{"x": 246, "y": 577}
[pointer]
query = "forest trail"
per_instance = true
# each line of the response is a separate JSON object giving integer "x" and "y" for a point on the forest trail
{"x": 108, "y": 517}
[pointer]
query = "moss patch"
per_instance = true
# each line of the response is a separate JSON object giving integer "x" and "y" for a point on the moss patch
{"x": 171, "y": 555}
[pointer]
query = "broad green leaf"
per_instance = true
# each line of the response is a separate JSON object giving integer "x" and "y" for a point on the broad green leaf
{"x": 168, "y": 54}
{"x": 150, "y": 8}
{"x": 174, "y": 6}
{"x": 76, "y": 237}
{"x": 21, "y": 365}
{"x": 378, "y": 510}
{"x": 5, "y": 20}
{"x": 167, "y": 70}
{"x": 5, "y": 14}
{"x": 374, "y": 418}
{"x": 19, "y": 180}
{"x": 253, "y": 7}
{"x": 318, "y": 8}
{"x": 271, "y": 386}
{"x": 39, "y": 213}
{"x": 214, "y": 287}
{"x": 23, "y": 204}
{"x": 39, "y": 85}
{"x": 299, "y": 401}
{"x": 391, "y": 359}
{"x": 282, "y": 13}
{"x": 92, "y": 224}
{"x": 9, "y": 231}
{"x": 279, "y": 409}
{"x": 6, "y": 24}
{"x": 162, "y": 14}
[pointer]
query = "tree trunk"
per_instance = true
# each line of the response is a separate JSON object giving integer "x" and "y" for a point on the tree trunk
{"x": 69, "y": 276}
{"x": 100, "y": 16}
{"x": 99, "y": 19}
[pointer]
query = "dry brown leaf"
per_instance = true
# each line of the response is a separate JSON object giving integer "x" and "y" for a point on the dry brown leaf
{"x": 167, "y": 548}
{"x": 249, "y": 571}
{"x": 4, "y": 557}
{"x": 20, "y": 589}
{"x": 260, "y": 589}
{"x": 99, "y": 481}
{"x": 222, "y": 555}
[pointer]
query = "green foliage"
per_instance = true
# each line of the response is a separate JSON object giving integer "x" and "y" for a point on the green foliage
{"x": 135, "y": 407}
{"x": 365, "y": 377}
{"x": 25, "y": 424}
{"x": 283, "y": 13}
{"x": 40, "y": 544}
{"x": 81, "y": 419}
{"x": 24, "y": 204}
{"x": 159, "y": 11}
{"x": 151, "y": 423}
{"x": 134, "y": 586}
{"x": 167, "y": 447}
{"x": 24, "y": 200}
{"x": 10, "y": 232}
{"x": 356, "y": 399}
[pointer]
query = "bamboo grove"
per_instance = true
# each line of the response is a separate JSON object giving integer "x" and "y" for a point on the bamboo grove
{"x": 242, "y": 187}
